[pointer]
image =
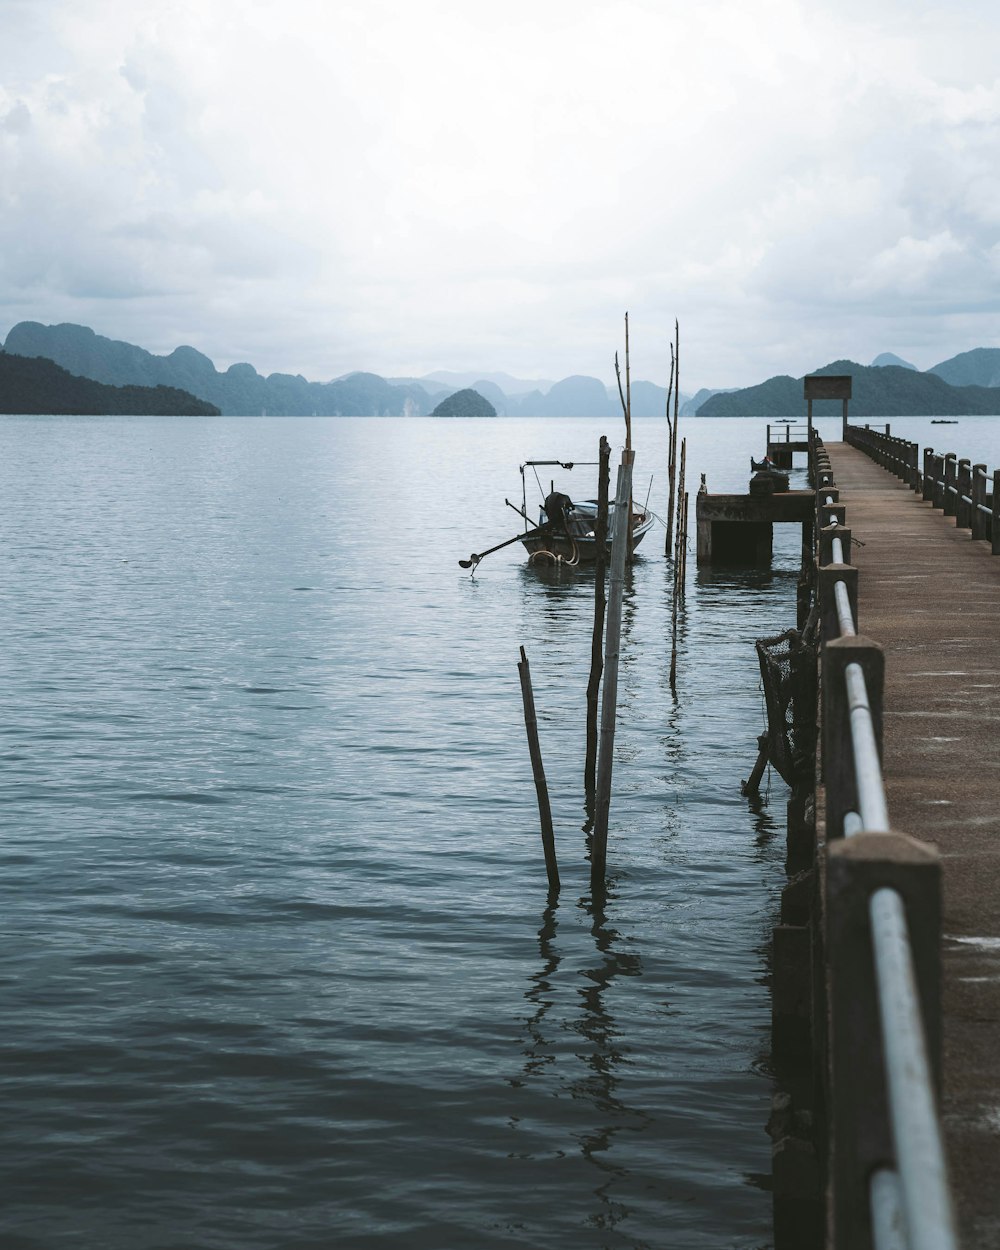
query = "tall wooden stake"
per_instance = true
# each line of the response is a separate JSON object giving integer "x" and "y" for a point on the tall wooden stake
{"x": 609, "y": 695}
{"x": 680, "y": 557}
{"x": 675, "y": 374}
{"x": 600, "y": 602}
{"x": 669, "y": 539}
{"x": 541, "y": 789}
{"x": 628, "y": 393}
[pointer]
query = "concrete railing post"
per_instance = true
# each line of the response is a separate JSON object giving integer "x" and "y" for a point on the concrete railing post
{"x": 950, "y": 483}
{"x": 937, "y": 492}
{"x": 827, "y": 577}
{"x": 979, "y": 522}
{"x": 860, "y": 1135}
{"x": 826, "y": 536}
{"x": 838, "y": 754}
{"x": 826, "y": 513}
{"x": 995, "y": 521}
{"x": 928, "y": 491}
{"x": 963, "y": 481}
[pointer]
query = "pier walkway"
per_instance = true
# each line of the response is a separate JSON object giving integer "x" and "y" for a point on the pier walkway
{"x": 931, "y": 597}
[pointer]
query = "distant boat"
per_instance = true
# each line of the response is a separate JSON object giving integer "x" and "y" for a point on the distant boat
{"x": 942, "y": 421}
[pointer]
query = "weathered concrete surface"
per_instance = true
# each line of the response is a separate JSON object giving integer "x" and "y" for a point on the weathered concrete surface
{"x": 931, "y": 596}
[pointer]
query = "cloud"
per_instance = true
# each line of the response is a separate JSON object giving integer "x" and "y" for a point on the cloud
{"x": 378, "y": 184}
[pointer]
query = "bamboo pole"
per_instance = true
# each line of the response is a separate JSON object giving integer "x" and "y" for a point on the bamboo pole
{"x": 680, "y": 557}
{"x": 626, "y": 398}
{"x": 684, "y": 549}
{"x": 541, "y": 789}
{"x": 679, "y": 550}
{"x": 675, "y": 374}
{"x": 609, "y": 695}
{"x": 668, "y": 540}
{"x": 600, "y": 603}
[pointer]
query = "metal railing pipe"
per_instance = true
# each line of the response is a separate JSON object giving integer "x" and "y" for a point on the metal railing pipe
{"x": 872, "y": 806}
{"x": 842, "y": 598}
{"x": 888, "y": 1220}
{"x": 916, "y": 1128}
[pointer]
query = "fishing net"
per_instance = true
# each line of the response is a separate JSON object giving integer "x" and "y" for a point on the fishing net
{"x": 788, "y": 673}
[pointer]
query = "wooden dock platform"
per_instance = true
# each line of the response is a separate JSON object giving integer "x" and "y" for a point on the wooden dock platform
{"x": 931, "y": 597}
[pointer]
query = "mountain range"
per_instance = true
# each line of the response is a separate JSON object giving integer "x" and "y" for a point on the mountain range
{"x": 964, "y": 384}
{"x": 241, "y": 391}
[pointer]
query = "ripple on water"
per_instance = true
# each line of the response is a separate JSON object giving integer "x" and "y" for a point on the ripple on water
{"x": 278, "y": 966}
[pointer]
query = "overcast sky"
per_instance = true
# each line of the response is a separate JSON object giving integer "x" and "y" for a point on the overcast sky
{"x": 317, "y": 186}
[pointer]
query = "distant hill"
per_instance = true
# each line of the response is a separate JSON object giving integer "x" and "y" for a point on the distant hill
{"x": 465, "y": 403}
{"x": 878, "y": 391}
{"x": 889, "y": 358}
{"x": 690, "y": 408}
{"x": 36, "y": 385}
{"x": 240, "y": 391}
{"x": 980, "y": 367}
{"x": 576, "y": 396}
{"x": 443, "y": 379}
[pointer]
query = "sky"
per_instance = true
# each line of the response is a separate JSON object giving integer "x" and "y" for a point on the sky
{"x": 319, "y": 186}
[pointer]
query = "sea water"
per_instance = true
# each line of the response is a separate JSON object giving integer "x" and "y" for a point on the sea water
{"x": 278, "y": 967}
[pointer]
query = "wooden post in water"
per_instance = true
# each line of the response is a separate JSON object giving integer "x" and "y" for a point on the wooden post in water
{"x": 628, "y": 393}
{"x": 675, "y": 374}
{"x": 668, "y": 540}
{"x": 684, "y": 551}
{"x": 679, "y": 564}
{"x": 626, "y": 398}
{"x": 600, "y": 602}
{"x": 541, "y": 789}
{"x": 609, "y": 695}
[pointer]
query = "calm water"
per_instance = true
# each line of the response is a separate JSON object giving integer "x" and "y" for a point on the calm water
{"x": 277, "y": 965}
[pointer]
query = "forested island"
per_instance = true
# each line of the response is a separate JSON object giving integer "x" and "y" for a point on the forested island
{"x": 465, "y": 403}
{"x": 35, "y": 385}
{"x": 877, "y": 391}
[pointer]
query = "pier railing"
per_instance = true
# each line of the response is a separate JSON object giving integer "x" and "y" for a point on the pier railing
{"x": 882, "y": 938}
{"x": 968, "y": 492}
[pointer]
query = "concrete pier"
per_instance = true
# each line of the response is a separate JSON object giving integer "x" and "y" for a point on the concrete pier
{"x": 931, "y": 596}
{"x": 738, "y": 529}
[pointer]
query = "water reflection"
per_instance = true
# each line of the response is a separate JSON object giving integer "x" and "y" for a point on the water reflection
{"x": 596, "y": 1081}
{"x": 599, "y": 1084}
{"x": 764, "y": 825}
{"x": 540, "y": 995}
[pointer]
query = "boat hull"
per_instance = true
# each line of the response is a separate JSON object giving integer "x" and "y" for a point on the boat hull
{"x": 579, "y": 546}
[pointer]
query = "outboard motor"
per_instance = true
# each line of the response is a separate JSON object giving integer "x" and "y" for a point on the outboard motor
{"x": 557, "y": 507}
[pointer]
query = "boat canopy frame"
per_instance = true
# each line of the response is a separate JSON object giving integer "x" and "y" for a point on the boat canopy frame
{"x": 534, "y": 465}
